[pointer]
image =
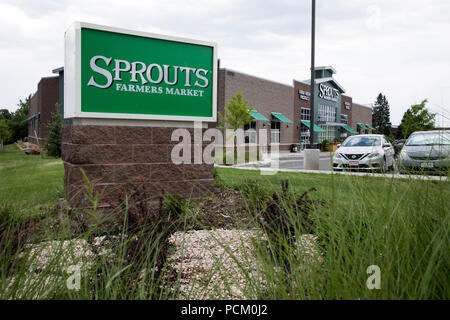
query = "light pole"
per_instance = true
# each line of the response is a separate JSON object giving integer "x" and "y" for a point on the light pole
{"x": 313, "y": 74}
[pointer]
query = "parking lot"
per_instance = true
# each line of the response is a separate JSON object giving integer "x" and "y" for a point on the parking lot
{"x": 294, "y": 162}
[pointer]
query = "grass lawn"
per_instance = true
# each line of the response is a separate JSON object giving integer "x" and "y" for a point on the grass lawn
{"x": 399, "y": 225}
{"x": 346, "y": 191}
{"x": 28, "y": 182}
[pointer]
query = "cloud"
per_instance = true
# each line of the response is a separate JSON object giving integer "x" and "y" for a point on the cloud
{"x": 394, "y": 47}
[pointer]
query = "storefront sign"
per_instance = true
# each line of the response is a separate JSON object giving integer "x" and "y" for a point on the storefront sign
{"x": 347, "y": 105}
{"x": 304, "y": 95}
{"x": 114, "y": 73}
{"x": 328, "y": 93}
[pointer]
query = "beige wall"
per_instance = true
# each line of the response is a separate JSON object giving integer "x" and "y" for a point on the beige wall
{"x": 263, "y": 95}
{"x": 361, "y": 114}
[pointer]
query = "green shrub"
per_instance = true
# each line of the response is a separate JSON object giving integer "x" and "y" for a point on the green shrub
{"x": 54, "y": 136}
{"x": 325, "y": 145}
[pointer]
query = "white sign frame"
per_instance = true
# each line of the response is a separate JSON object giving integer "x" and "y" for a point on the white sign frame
{"x": 72, "y": 75}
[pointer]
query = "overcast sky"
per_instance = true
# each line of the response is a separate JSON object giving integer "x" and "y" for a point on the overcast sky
{"x": 400, "y": 48}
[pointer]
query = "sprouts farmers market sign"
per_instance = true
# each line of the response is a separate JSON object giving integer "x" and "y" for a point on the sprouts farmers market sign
{"x": 122, "y": 74}
{"x": 328, "y": 93}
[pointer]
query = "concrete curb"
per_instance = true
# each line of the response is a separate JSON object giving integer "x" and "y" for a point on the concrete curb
{"x": 361, "y": 174}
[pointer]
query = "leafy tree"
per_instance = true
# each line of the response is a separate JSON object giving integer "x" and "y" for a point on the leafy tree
{"x": 236, "y": 113}
{"x": 416, "y": 118}
{"x": 19, "y": 130}
{"x": 381, "y": 115}
{"x": 235, "y": 117}
{"x": 54, "y": 136}
{"x": 5, "y": 114}
{"x": 5, "y": 132}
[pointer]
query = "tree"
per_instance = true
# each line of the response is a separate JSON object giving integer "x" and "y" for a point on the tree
{"x": 381, "y": 115}
{"x": 5, "y": 114}
{"x": 416, "y": 118}
{"x": 5, "y": 132}
{"x": 54, "y": 136}
{"x": 19, "y": 128}
{"x": 236, "y": 113}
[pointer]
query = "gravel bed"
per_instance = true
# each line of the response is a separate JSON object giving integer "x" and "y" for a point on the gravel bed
{"x": 215, "y": 264}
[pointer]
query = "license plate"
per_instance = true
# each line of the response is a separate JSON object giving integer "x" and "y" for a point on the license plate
{"x": 353, "y": 163}
{"x": 427, "y": 165}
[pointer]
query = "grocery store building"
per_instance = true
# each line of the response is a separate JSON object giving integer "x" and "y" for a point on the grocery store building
{"x": 285, "y": 111}
{"x": 282, "y": 110}
{"x": 42, "y": 104}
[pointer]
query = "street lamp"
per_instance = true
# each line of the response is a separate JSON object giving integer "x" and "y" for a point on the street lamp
{"x": 313, "y": 74}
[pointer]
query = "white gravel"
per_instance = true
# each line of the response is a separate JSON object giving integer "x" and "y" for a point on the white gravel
{"x": 60, "y": 254}
{"x": 217, "y": 264}
{"x": 214, "y": 264}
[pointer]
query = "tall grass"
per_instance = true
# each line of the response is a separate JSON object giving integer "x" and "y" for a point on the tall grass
{"x": 403, "y": 228}
{"x": 125, "y": 261}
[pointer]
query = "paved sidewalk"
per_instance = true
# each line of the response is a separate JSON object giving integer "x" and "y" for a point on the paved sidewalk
{"x": 286, "y": 154}
{"x": 268, "y": 171}
{"x": 288, "y": 160}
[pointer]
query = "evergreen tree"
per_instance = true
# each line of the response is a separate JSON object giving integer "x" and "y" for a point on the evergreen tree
{"x": 381, "y": 116}
{"x": 416, "y": 118}
{"x": 54, "y": 136}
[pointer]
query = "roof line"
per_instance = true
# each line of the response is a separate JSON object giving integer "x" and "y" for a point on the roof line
{"x": 331, "y": 79}
{"x": 261, "y": 78}
{"x": 58, "y": 70}
{"x": 326, "y": 68}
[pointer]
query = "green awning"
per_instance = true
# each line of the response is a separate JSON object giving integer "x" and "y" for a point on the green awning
{"x": 281, "y": 117}
{"x": 30, "y": 118}
{"x": 362, "y": 126}
{"x": 258, "y": 116}
{"x": 370, "y": 127}
{"x": 350, "y": 129}
{"x": 316, "y": 127}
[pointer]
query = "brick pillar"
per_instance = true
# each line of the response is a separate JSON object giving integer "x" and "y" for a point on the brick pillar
{"x": 117, "y": 158}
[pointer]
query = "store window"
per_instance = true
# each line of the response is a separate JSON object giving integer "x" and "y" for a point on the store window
{"x": 305, "y": 114}
{"x": 304, "y": 139}
{"x": 327, "y": 113}
{"x": 329, "y": 134}
{"x": 275, "y": 132}
{"x": 250, "y": 132}
{"x": 344, "y": 118}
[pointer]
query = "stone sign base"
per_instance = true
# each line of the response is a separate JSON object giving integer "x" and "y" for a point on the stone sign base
{"x": 117, "y": 159}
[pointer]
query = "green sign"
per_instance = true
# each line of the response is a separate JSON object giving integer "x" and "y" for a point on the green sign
{"x": 112, "y": 73}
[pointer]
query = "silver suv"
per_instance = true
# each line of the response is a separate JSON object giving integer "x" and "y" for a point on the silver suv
{"x": 426, "y": 151}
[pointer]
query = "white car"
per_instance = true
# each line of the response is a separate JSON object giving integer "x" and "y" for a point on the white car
{"x": 364, "y": 152}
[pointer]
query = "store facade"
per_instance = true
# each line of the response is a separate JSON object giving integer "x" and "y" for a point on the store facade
{"x": 284, "y": 111}
{"x": 43, "y": 103}
{"x": 333, "y": 111}
{"x": 272, "y": 107}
